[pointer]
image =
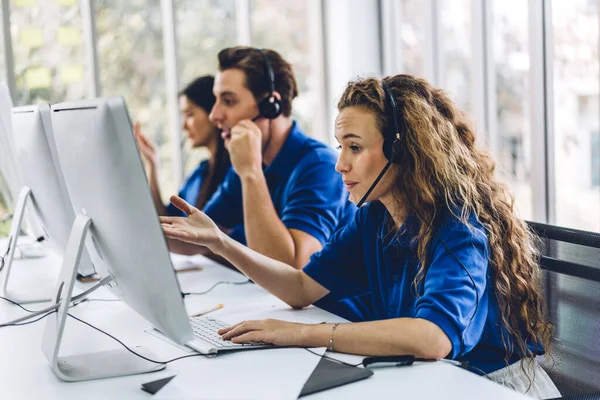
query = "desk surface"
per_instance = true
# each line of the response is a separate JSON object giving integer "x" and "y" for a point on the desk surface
{"x": 26, "y": 374}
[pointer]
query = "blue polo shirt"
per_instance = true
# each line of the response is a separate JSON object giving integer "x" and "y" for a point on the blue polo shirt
{"x": 373, "y": 270}
{"x": 191, "y": 189}
{"x": 307, "y": 192}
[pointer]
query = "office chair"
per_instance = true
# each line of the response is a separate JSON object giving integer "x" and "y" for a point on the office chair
{"x": 570, "y": 260}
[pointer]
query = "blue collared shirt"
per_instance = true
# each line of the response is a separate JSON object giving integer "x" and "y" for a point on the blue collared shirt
{"x": 191, "y": 189}
{"x": 370, "y": 273}
{"x": 307, "y": 192}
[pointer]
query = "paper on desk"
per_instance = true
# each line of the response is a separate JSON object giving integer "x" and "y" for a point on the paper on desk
{"x": 278, "y": 373}
{"x": 184, "y": 263}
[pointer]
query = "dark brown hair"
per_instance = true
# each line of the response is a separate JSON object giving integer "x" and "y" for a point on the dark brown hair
{"x": 251, "y": 62}
{"x": 199, "y": 92}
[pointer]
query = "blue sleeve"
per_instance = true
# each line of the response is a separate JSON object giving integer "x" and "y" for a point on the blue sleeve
{"x": 316, "y": 202}
{"x": 190, "y": 190}
{"x": 225, "y": 205}
{"x": 449, "y": 297}
{"x": 340, "y": 267}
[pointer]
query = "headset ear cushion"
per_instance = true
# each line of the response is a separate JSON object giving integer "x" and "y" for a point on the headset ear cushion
{"x": 387, "y": 148}
{"x": 397, "y": 149}
{"x": 269, "y": 108}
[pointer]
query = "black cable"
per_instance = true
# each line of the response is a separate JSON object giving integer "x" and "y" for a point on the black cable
{"x": 131, "y": 351}
{"x": 469, "y": 367}
{"x": 214, "y": 286}
{"x": 17, "y": 304}
{"x": 75, "y": 303}
{"x": 29, "y": 322}
{"x": 463, "y": 365}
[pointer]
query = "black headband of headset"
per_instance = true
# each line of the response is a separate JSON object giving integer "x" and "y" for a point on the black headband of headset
{"x": 268, "y": 72}
{"x": 391, "y": 102}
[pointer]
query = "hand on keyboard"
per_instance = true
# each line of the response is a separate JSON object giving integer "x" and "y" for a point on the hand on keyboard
{"x": 205, "y": 328}
{"x": 279, "y": 333}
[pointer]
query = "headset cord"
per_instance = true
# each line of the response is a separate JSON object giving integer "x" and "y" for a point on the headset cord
{"x": 214, "y": 286}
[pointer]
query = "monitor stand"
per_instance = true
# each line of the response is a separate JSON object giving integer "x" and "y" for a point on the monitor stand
{"x": 15, "y": 228}
{"x": 82, "y": 367}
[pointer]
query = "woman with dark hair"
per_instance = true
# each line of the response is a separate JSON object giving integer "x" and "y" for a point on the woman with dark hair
{"x": 195, "y": 103}
{"x": 439, "y": 261}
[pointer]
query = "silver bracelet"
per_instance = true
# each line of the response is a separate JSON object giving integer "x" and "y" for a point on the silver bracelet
{"x": 331, "y": 336}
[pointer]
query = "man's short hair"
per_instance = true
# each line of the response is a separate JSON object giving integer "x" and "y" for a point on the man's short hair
{"x": 251, "y": 62}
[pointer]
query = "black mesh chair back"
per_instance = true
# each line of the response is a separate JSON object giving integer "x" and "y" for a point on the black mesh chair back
{"x": 571, "y": 262}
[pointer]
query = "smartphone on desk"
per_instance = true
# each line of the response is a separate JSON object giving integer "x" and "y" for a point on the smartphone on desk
{"x": 388, "y": 361}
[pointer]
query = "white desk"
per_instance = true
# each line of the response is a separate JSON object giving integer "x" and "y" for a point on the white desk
{"x": 25, "y": 373}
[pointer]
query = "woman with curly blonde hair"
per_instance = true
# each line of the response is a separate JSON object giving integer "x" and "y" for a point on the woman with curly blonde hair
{"x": 436, "y": 265}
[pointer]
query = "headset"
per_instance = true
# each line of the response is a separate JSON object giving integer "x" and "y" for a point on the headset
{"x": 270, "y": 106}
{"x": 392, "y": 143}
{"x": 394, "y": 152}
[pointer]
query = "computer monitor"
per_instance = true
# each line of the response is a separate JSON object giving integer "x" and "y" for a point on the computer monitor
{"x": 105, "y": 178}
{"x": 10, "y": 184}
{"x": 40, "y": 171}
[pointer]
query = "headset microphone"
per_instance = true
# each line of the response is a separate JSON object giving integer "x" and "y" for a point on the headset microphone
{"x": 383, "y": 171}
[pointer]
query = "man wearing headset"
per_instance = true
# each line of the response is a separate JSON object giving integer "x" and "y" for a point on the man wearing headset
{"x": 282, "y": 197}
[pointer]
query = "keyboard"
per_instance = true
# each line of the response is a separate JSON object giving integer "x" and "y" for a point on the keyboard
{"x": 205, "y": 329}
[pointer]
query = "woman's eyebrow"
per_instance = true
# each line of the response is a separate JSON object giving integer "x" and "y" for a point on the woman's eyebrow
{"x": 351, "y": 136}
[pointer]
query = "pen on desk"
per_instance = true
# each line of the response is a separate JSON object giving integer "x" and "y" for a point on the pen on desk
{"x": 207, "y": 310}
{"x": 188, "y": 269}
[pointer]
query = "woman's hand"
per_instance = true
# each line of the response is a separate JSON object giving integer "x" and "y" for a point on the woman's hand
{"x": 279, "y": 333}
{"x": 147, "y": 149}
{"x": 196, "y": 228}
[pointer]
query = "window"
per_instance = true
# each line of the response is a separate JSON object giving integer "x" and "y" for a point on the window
{"x": 48, "y": 51}
{"x": 456, "y": 51}
{"x": 282, "y": 25}
{"x": 595, "y": 160}
{"x": 413, "y": 33}
{"x": 576, "y": 113}
{"x": 3, "y": 203}
{"x": 3, "y": 77}
{"x": 130, "y": 56}
{"x": 511, "y": 65}
{"x": 203, "y": 28}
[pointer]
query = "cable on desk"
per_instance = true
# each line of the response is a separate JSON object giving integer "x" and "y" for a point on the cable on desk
{"x": 131, "y": 351}
{"x": 40, "y": 318}
{"x": 17, "y": 304}
{"x": 467, "y": 366}
{"x": 214, "y": 286}
{"x": 55, "y": 306}
{"x": 28, "y": 322}
{"x": 460, "y": 364}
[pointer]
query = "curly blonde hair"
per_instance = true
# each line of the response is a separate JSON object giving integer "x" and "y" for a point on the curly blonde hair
{"x": 443, "y": 170}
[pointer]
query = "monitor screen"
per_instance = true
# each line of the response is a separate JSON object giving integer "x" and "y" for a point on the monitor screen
{"x": 106, "y": 181}
{"x": 40, "y": 170}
